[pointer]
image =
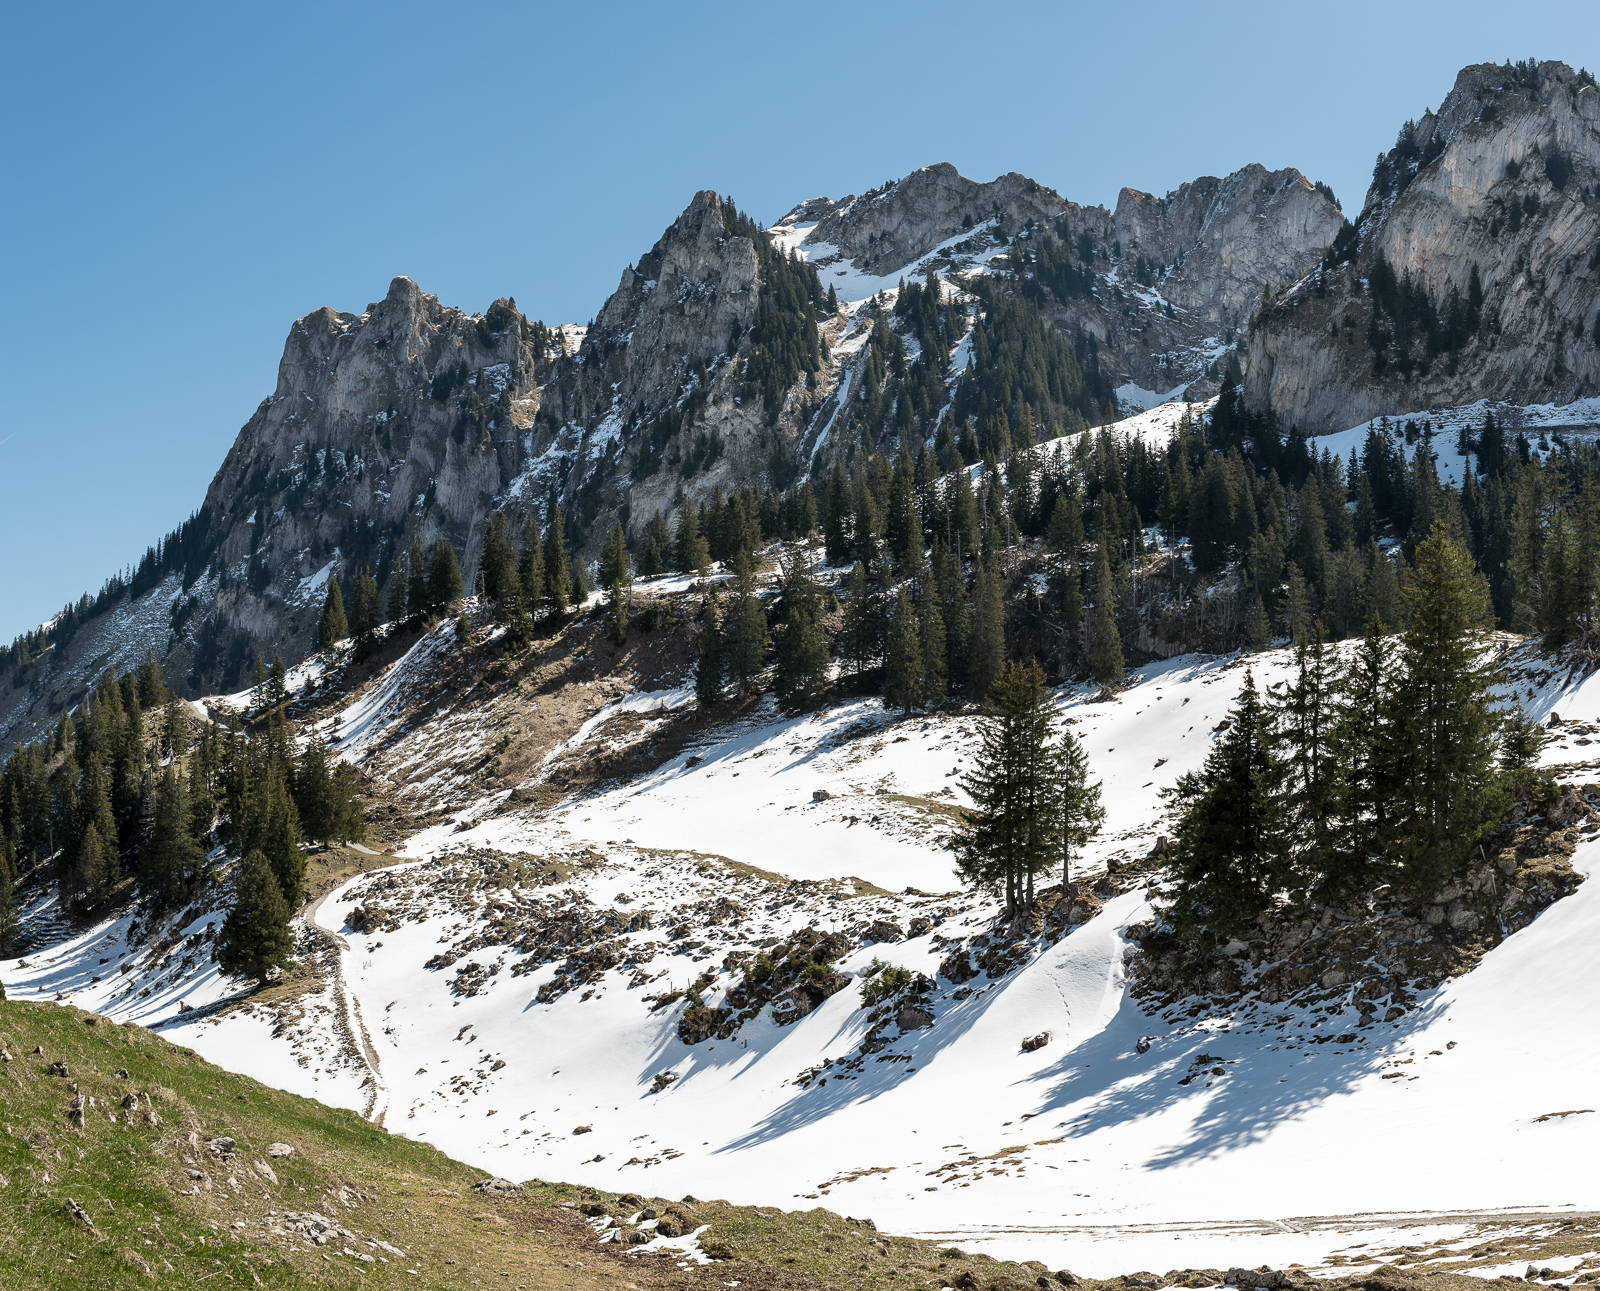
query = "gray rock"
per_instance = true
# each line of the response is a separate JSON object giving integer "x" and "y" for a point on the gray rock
{"x": 497, "y": 1187}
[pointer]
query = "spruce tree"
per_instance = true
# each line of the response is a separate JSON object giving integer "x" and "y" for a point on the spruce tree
{"x": 1011, "y": 831}
{"x": 614, "y": 558}
{"x": 744, "y": 630}
{"x": 255, "y": 937}
{"x": 1229, "y": 857}
{"x": 801, "y": 664}
{"x": 365, "y": 610}
{"x": 313, "y": 792}
{"x": 931, "y": 640}
{"x": 282, "y": 842}
{"x": 708, "y": 662}
{"x": 332, "y": 626}
{"x": 170, "y": 858}
{"x": 1259, "y": 635}
{"x": 1446, "y": 795}
{"x": 1304, "y": 715}
{"x": 444, "y": 576}
{"x": 396, "y": 607}
{"x": 417, "y": 581}
{"x": 903, "y": 672}
{"x": 530, "y": 567}
{"x": 691, "y": 554}
{"x": 617, "y": 613}
{"x": 987, "y": 635}
{"x": 1105, "y": 642}
{"x": 557, "y": 564}
{"x": 1075, "y": 808}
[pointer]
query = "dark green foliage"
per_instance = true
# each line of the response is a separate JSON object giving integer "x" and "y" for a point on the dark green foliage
{"x": 744, "y": 632}
{"x": 1105, "y": 642}
{"x": 366, "y": 612}
{"x": 171, "y": 858}
{"x": 444, "y": 576}
{"x": 1446, "y": 729}
{"x": 800, "y": 674}
{"x": 903, "y": 674}
{"x": 255, "y": 937}
{"x": 655, "y": 546}
{"x": 332, "y": 626}
{"x": 1075, "y": 810}
{"x": 986, "y": 635}
{"x": 417, "y": 581}
{"x": 498, "y": 566}
{"x": 1011, "y": 832}
{"x": 614, "y": 558}
{"x": 708, "y": 669}
{"x": 1230, "y": 854}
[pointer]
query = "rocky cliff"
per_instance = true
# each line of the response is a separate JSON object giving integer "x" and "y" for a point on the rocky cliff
{"x": 1471, "y": 272}
{"x": 414, "y": 421}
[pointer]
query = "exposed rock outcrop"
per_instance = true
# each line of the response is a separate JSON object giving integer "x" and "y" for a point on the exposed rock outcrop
{"x": 1503, "y": 181}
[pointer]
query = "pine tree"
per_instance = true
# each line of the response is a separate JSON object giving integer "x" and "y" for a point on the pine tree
{"x": 1259, "y": 636}
{"x": 365, "y": 609}
{"x": 708, "y": 663}
{"x": 281, "y": 842}
{"x": 744, "y": 630}
{"x": 444, "y": 576}
{"x": 175, "y": 728}
{"x": 313, "y": 792}
{"x": 417, "y": 581}
{"x": 255, "y": 937}
{"x": 614, "y": 558}
{"x": 1011, "y": 831}
{"x": 1075, "y": 807}
{"x": 1304, "y": 716}
{"x": 931, "y": 640}
{"x": 530, "y": 566}
{"x": 691, "y": 554}
{"x": 170, "y": 858}
{"x": 801, "y": 665}
{"x": 277, "y": 684}
{"x": 1521, "y": 741}
{"x": 1229, "y": 857}
{"x": 557, "y": 564}
{"x": 152, "y": 686}
{"x": 332, "y": 626}
{"x": 616, "y": 618}
{"x": 903, "y": 672}
{"x": 1105, "y": 642}
{"x": 1446, "y": 796}
{"x": 987, "y": 640}
{"x": 396, "y": 609}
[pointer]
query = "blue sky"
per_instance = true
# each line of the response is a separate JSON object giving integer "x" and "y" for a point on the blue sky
{"x": 182, "y": 182}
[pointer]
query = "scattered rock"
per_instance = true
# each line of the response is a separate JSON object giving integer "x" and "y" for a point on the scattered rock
{"x": 81, "y": 1216}
{"x": 583, "y": 1129}
{"x": 221, "y": 1147}
{"x": 121, "y": 1073}
{"x": 56, "y": 1068}
{"x": 497, "y": 1187}
{"x": 820, "y": 795}
{"x": 265, "y": 1171}
{"x": 913, "y": 1017}
{"x": 1144, "y": 1043}
{"x": 1067, "y": 1278}
{"x": 1030, "y": 1043}
{"x": 279, "y": 1150}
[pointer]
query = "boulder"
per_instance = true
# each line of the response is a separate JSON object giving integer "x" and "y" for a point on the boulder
{"x": 497, "y": 1187}
{"x": 1032, "y": 1042}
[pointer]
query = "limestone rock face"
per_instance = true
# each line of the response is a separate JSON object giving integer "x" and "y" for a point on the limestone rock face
{"x": 1501, "y": 140}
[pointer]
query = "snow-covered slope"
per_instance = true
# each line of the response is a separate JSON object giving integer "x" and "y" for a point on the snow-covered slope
{"x": 508, "y": 985}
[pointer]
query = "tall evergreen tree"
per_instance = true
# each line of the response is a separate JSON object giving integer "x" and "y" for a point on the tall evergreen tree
{"x": 1011, "y": 832}
{"x": 1076, "y": 813}
{"x": 332, "y": 627}
{"x": 255, "y": 937}
{"x": 1105, "y": 642}
{"x": 691, "y": 553}
{"x": 282, "y": 842}
{"x": 708, "y": 670}
{"x": 614, "y": 557}
{"x": 417, "y": 580}
{"x": 530, "y": 567}
{"x": 1303, "y": 717}
{"x": 801, "y": 666}
{"x": 744, "y": 630}
{"x": 444, "y": 576}
{"x": 903, "y": 670}
{"x": 987, "y": 640}
{"x": 557, "y": 564}
{"x": 1446, "y": 795}
{"x": 365, "y": 609}
{"x": 1229, "y": 857}
{"x": 170, "y": 858}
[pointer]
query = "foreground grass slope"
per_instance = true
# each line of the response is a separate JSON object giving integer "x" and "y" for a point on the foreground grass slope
{"x": 142, "y": 1187}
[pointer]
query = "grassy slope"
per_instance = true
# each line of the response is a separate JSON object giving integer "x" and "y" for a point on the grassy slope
{"x": 130, "y": 1177}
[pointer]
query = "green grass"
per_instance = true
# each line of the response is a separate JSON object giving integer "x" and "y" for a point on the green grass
{"x": 130, "y": 1178}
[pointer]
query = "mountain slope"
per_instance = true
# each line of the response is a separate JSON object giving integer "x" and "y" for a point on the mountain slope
{"x": 1502, "y": 183}
{"x": 526, "y": 983}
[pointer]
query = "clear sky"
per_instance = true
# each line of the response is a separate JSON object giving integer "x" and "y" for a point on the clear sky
{"x": 181, "y": 182}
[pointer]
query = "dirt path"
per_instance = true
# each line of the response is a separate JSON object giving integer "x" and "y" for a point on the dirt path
{"x": 353, "y": 1029}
